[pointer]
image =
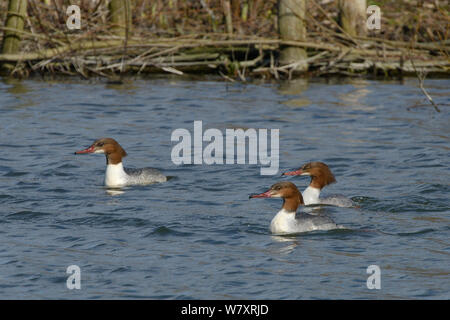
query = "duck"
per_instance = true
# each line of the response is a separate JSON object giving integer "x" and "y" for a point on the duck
{"x": 116, "y": 176}
{"x": 287, "y": 221}
{"x": 321, "y": 176}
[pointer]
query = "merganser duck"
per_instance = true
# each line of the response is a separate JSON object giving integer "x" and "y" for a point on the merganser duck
{"x": 286, "y": 221}
{"x": 116, "y": 175}
{"x": 321, "y": 176}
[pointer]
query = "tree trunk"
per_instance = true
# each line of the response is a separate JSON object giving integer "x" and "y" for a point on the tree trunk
{"x": 291, "y": 26}
{"x": 17, "y": 11}
{"x": 353, "y": 17}
{"x": 228, "y": 17}
{"x": 120, "y": 13}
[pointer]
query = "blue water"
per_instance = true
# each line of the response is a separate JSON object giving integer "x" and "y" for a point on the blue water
{"x": 198, "y": 235}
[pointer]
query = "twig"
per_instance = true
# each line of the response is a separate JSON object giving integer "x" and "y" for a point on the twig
{"x": 421, "y": 76}
{"x": 172, "y": 70}
{"x": 227, "y": 77}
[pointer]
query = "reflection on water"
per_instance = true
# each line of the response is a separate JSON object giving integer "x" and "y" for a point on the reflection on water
{"x": 18, "y": 90}
{"x": 114, "y": 192}
{"x": 354, "y": 99}
{"x": 294, "y": 88}
{"x": 289, "y": 243}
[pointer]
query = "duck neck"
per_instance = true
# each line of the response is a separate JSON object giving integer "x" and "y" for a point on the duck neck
{"x": 291, "y": 204}
{"x": 317, "y": 182}
{"x": 311, "y": 195}
{"x": 321, "y": 178}
{"x": 113, "y": 158}
{"x": 115, "y": 175}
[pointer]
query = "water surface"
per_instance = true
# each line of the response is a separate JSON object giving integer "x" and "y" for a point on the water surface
{"x": 198, "y": 235}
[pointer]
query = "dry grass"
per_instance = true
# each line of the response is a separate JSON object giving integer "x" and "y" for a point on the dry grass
{"x": 191, "y": 36}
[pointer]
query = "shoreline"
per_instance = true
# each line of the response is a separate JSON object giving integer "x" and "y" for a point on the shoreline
{"x": 236, "y": 46}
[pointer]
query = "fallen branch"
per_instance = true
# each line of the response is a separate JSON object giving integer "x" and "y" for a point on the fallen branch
{"x": 88, "y": 45}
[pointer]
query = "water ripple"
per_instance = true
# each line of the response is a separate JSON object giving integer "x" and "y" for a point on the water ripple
{"x": 198, "y": 236}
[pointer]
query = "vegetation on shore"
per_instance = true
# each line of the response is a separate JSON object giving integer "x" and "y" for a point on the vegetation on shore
{"x": 236, "y": 39}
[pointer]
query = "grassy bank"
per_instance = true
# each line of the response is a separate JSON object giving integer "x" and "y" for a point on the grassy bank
{"x": 203, "y": 36}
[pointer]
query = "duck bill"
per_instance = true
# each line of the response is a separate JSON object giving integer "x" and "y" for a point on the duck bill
{"x": 91, "y": 149}
{"x": 293, "y": 173}
{"x": 266, "y": 194}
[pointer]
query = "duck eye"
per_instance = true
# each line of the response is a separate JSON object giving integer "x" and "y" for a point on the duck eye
{"x": 100, "y": 144}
